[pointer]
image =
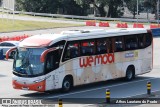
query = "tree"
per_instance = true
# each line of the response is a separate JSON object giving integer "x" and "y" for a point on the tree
{"x": 109, "y": 8}
{"x": 152, "y": 4}
{"x": 132, "y": 6}
{"x": 43, "y": 6}
{"x": 97, "y": 5}
{"x": 115, "y": 7}
{"x": 51, "y": 6}
{"x": 72, "y": 8}
{"x": 0, "y": 3}
{"x": 147, "y": 5}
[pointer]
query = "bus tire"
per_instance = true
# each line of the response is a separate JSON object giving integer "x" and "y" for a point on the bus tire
{"x": 67, "y": 84}
{"x": 130, "y": 73}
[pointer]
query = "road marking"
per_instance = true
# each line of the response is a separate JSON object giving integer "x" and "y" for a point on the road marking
{"x": 140, "y": 94}
{"x": 100, "y": 88}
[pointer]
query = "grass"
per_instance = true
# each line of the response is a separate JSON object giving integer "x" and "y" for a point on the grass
{"x": 47, "y": 17}
{"x": 7, "y": 25}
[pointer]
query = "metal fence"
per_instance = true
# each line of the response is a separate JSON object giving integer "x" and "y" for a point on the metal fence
{"x": 82, "y": 17}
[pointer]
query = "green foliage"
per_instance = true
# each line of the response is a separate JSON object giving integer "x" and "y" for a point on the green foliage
{"x": 115, "y": 7}
{"x": 52, "y": 6}
{"x": 42, "y": 6}
{"x": 0, "y": 2}
{"x": 109, "y": 8}
{"x": 132, "y": 6}
{"x": 73, "y": 8}
{"x": 152, "y": 4}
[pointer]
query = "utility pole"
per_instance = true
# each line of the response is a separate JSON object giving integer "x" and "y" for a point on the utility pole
{"x": 13, "y": 10}
{"x": 158, "y": 12}
{"x": 137, "y": 11}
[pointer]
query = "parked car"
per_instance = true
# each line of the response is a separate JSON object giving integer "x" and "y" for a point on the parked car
{"x": 6, "y": 45}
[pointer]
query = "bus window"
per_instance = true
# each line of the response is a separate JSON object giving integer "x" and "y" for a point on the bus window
{"x": 59, "y": 44}
{"x": 71, "y": 51}
{"x": 148, "y": 40}
{"x": 131, "y": 42}
{"x": 141, "y": 41}
{"x": 110, "y": 46}
{"x": 87, "y": 48}
{"x": 101, "y": 46}
{"x": 52, "y": 62}
{"x": 118, "y": 44}
{"x": 49, "y": 62}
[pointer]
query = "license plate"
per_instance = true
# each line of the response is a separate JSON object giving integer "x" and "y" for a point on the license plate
{"x": 24, "y": 88}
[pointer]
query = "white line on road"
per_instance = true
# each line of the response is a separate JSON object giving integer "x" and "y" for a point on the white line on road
{"x": 100, "y": 88}
{"x": 140, "y": 94}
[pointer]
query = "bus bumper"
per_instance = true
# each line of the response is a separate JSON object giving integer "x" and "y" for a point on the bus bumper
{"x": 37, "y": 86}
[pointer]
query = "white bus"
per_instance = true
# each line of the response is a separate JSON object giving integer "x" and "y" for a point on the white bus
{"x": 61, "y": 61}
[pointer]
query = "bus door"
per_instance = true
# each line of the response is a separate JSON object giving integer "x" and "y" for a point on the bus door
{"x": 51, "y": 64}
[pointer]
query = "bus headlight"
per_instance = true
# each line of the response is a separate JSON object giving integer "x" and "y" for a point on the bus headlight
{"x": 40, "y": 80}
{"x": 39, "y": 87}
{"x": 37, "y": 81}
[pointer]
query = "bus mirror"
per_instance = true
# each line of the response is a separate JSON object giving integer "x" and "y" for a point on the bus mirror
{"x": 9, "y": 51}
{"x": 43, "y": 55}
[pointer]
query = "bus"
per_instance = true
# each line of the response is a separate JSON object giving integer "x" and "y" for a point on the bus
{"x": 76, "y": 57}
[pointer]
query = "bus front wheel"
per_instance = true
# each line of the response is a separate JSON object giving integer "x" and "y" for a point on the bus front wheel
{"x": 130, "y": 73}
{"x": 67, "y": 84}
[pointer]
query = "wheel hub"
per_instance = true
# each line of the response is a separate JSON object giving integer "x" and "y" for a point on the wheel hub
{"x": 67, "y": 85}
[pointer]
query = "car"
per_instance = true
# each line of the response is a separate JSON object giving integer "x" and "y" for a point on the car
{"x": 6, "y": 45}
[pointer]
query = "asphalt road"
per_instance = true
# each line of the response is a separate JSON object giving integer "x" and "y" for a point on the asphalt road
{"x": 119, "y": 88}
{"x": 44, "y": 31}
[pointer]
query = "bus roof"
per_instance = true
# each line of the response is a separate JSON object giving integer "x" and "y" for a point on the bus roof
{"x": 49, "y": 39}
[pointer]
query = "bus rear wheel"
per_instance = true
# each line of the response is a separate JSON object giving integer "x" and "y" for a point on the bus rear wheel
{"x": 130, "y": 73}
{"x": 66, "y": 85}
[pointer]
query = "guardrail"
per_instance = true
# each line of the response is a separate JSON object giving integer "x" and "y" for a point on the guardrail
{"x": 82, "y": 17}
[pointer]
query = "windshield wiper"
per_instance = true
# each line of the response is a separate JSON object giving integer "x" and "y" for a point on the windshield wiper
{"x": 19, "y": 73}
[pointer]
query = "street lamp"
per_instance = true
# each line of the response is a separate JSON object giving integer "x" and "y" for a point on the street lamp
{"x": 137, "y": 12}
{"x": 158, "y": 12}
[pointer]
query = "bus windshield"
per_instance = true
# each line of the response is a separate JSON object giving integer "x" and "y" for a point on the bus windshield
{"x": 27, "y": 62}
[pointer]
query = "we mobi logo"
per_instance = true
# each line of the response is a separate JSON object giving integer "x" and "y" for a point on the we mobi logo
{"x": 98, "y": 59}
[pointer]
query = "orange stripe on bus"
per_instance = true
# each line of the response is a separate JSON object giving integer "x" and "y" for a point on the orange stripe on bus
{"x": 40, "y": 86}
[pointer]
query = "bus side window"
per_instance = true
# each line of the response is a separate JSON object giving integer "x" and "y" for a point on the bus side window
{"x": 101, "y": 46}
{"x": 131, "y": 42}
{"x": 148, "y": 39}
{"x": 118, "y": 44}
{"x": 71, "y": 51}
{"x": 60, "y": 45}
{"x": 87, "y": 48}
{"x": 49, "y": 66}
{"x": 52, "y": 61}
{"x": 141, "y": 41}
{"x": 110, "y": 45}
